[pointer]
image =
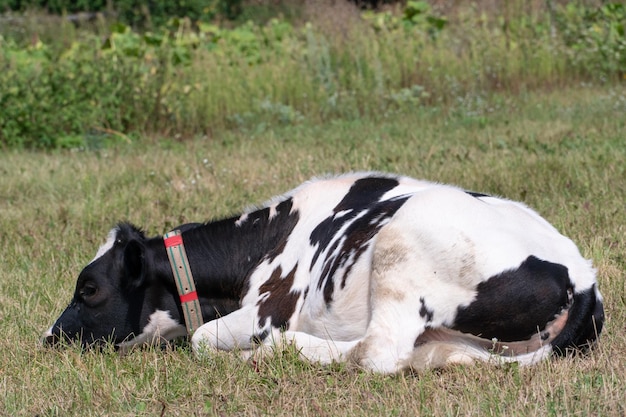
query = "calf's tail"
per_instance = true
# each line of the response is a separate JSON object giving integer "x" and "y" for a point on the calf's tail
{"x": 584, "y": 323}
{"x": 575, "y": 329}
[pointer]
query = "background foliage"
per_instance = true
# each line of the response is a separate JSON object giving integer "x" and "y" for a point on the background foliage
{"x": 137, "y": 13}
{"x": 64, "y": 85}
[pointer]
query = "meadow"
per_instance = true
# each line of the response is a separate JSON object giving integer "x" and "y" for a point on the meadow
{"x": 556, "y": 143}
{"x": 561, "y": 152}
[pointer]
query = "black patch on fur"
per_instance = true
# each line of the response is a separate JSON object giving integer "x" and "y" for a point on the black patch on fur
{"x": 477, "y": 195}
{"x": 516, "y": 304}
{"x": 258, "y": 339}
{"x": 425, "y": 312}
{"x": 584, "y": 323}
{"x": 366, "y": 191}
{"x": 223, "y": 254}
{"x": 281, "y": 226}
{"x": 363, "y": 196}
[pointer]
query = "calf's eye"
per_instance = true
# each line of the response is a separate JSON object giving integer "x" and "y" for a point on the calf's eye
{"x": 88, "y": 291}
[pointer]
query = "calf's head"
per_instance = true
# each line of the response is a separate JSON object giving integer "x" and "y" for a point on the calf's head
{"x": 115, "y": 294}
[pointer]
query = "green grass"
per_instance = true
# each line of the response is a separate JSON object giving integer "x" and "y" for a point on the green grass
{"x": 562, "y": 153}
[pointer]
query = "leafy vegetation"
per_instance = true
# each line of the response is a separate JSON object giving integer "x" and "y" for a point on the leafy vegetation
{"x": 139, "y": 14}
{"x": 601, "y": 30}
{"x": 66, "y": 87}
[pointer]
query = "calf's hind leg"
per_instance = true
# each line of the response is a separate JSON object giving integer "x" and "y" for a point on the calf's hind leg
{"x": 398, "y": 313}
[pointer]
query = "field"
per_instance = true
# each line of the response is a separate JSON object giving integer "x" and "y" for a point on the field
{"x": 562, "y": 152}
{"x": 523, "y": 99}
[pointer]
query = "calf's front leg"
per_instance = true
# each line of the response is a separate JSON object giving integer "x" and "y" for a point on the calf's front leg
{"x": 236, "y": 330}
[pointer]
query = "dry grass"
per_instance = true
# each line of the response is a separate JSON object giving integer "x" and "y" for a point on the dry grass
{"x": 563, "y": 153}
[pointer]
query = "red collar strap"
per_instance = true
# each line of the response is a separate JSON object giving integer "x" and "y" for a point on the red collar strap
{"x": 184, "y": 280}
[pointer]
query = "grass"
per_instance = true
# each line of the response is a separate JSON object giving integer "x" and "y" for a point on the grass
{"x": 561, "y": 152}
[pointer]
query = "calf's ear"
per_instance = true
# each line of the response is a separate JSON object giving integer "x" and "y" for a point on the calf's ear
{"x": 134, "y": 264}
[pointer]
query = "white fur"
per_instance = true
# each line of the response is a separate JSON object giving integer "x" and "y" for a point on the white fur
{"x": 107, "y": 245}
{"x": 435, "y": 250}
{"x": 47, "y": 333}
{"x": 161, "y": 327}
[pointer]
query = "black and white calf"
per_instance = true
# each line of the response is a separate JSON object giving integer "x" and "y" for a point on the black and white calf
{"x": 384, "y": 271}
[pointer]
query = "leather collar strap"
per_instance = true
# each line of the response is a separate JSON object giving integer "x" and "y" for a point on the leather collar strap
{"x": 184, "y": 280}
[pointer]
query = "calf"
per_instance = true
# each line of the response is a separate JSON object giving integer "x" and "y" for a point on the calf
{"x": 384, "y": 271}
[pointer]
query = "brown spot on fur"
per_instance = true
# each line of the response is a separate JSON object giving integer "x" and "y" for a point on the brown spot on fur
{"x": 358, "y": 353}
{"x": 467, "y": 272}
{"x": 389, "y": 293}
{"x": 281, "y": 302}
{"x": 386, "y": 258}
{"x": 384, "y": 261}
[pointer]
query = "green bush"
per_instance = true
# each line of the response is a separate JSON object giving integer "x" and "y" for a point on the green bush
{"x": 54, "y": 6}
{"x": 595, "y": 37}
{"x": 154, "y": 14}
{"x": 87, "y": 89}
{"x": 136, "y": 13}
{"x": 187, "y": 78}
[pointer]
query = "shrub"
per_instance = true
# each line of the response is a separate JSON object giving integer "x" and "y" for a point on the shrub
{"x": 595, "y": 37}
{"x": 135, "y": 12}
{"x": 189, "y": 78}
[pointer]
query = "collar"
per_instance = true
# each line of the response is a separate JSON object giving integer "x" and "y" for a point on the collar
{"x": 184, "y": 280}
